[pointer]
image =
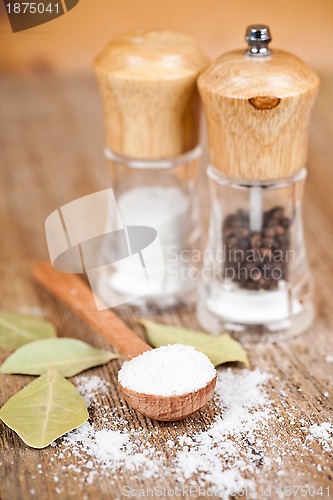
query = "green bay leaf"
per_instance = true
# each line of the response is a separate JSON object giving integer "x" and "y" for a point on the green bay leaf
{"x": 44, "y": 410}
{"x": 19, "y": 329}
{"x": 68, "y": 356}
{"x": 219, "y": 349}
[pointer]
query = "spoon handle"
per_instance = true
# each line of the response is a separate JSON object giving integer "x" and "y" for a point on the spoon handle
{"x": 73, "y": 292}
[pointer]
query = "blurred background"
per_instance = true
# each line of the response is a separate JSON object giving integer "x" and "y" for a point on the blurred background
{"x": 69, "y": 43}
{"x": 51, "y": 124}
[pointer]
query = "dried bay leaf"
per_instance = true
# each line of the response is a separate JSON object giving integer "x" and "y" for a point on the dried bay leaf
{"x": 219, "y": 349}
{"x": 68, "y": 356}
{"x": 19, "y": 329}
{"x": 44, "y": 410}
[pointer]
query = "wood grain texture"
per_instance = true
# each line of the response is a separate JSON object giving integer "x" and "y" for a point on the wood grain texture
{"x": 258, "y": 111}
{"x": 51, "y": 153}
{"x": 147, "y": 82}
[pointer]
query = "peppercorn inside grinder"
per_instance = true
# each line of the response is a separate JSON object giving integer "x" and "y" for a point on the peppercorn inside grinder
{"x": 147, "y": 82}
{"x": 255, "y": 280}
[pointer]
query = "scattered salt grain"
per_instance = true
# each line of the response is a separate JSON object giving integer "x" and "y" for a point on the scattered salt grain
{"x": 218, "y": 457}
{"x": 323, "y": 433}
{"x": 169, "y": 370}
{"x": 89, "y": 386}
{"x": 329, "y": 358}
{"x": 225, "y": 458}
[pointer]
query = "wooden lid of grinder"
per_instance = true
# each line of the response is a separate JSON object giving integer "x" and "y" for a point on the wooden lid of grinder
{"x": 258, "y": 105}
{"x": 147, "y": 82}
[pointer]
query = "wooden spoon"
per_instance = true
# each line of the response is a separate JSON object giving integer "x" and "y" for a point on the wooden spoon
{"x": 72, "y": 291}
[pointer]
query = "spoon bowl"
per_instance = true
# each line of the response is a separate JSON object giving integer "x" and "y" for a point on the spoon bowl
{"x": 168, "y": 408}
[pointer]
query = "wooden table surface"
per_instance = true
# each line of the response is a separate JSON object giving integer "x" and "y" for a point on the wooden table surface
{"x": 51, "y": 143}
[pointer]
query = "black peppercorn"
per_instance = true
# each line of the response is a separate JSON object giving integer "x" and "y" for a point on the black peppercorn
{"x": 256, "y": 259}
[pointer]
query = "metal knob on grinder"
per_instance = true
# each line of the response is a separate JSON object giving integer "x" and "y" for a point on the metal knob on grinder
{"x": 258, "y": 37}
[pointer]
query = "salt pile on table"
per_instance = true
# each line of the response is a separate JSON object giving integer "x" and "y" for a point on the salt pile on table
{"x": 228, "y": 457}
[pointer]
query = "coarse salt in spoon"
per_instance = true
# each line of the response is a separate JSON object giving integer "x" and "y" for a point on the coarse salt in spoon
{"x": 172, "y": 382}
{"x": 168, "y": 383}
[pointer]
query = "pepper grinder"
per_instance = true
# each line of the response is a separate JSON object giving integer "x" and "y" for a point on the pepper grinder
{"x": 147, "y": 82}
{"x": 255, "y": 280}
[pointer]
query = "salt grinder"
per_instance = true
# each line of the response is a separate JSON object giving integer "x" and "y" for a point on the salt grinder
{"x": 147, "y": 82}
{"x": 255, "y": 279}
